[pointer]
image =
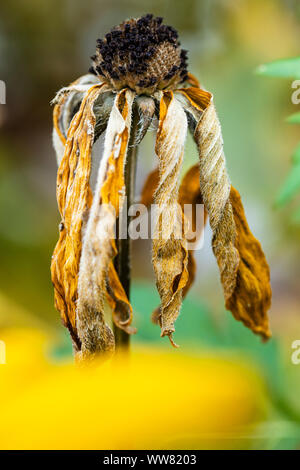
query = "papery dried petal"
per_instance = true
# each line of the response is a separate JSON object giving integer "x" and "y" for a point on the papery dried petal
{"x": 198, "y": 98}
{"x": 244, "y": 270}
{"x": 189, "y": 193}
{"x": 146, "y": 109}
{"x": 192, "y": 80}
{"x": 169, "y": 244}
{"x": 251, "y": 298}
{"x": 149, "y": 187}
{"x": 118, "y": 300}
{"x": 66, "y": 102}
{"x": 215, "y": 189}
{"x": 74, "y": 198}
{"x": 99, "y": 246}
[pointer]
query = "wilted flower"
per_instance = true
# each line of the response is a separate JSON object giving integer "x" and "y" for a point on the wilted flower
{"x": 139, "y": 73}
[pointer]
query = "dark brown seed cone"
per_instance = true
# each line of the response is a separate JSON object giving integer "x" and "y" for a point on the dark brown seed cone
{"x": 142, "y": 54}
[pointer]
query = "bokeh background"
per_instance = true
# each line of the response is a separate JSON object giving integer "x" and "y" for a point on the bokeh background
{"x": 46, "y": 45}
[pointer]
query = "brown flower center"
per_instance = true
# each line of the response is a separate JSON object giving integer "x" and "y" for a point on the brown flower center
{"x": 142, "y": 54}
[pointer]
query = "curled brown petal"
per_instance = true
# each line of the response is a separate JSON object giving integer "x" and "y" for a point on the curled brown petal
{"x": 244, "y": 271}
{"x": 146, "y": 109}
{"x": 118, "y": 300}
{"x": 215, "y": 189}
{"x": 74, "y": 198}
{"x": 66, "y": 101}
{"x": 192, "y": 80}
{"x": 149, "y": 187}
{"x": 190, "y": 193}
{"x": 169, "y": 243}
{"x": 97, "y": 277}
{"x": 251, "y": 298}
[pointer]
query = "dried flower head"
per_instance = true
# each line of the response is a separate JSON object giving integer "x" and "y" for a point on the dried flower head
{"x": 139, "y": 73}
{"x": 142, "y": 54}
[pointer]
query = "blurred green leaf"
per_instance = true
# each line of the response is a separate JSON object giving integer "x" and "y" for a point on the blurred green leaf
{"x": 291, "y": 185}
{"x": 293, "y": 118}
{"x": 296, "y": 155}
{"x": 285, "y": 68}
{"x": 296, "y": 216}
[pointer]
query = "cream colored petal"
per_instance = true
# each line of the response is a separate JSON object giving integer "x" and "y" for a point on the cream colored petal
{"x": 215, "y": 188}
{"x": 81, "y": 85}
{"x": 66, "y": 101}
{"x": 169, "y": 244}
{"x": 58, "y": 145}
{"x": 244, "y": 270}
{"x": 99, "y": 246}
{"x": 190, "y": 194}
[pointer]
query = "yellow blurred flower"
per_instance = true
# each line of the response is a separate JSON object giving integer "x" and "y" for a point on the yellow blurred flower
{"x": 152, "y": 400}
{"x": 25, "y": 360}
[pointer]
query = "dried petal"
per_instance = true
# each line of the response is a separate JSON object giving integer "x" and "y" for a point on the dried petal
{"x": 149, "y": 187}
{"x": 74, "y": 198}
{"x": 118, "y": 300}
{"x": 169, "y": 244}
{"x": 66, "y": 102}
{"x": 244, "y": 270}
{"x": 215, "y": 189}
{"x": 97, "y": 278}
{"x": 192, "y": 80}
{"x": 198, "y": 98}
{"x": 146, "y": 110}
{"x": 251, "y": 298}
{"x": 189, "y": 193}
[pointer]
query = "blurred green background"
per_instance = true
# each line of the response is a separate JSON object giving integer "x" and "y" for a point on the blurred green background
{"x": 46, "y": 45}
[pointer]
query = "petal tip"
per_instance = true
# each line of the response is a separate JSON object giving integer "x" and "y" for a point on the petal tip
{"x": 169, "y": 332}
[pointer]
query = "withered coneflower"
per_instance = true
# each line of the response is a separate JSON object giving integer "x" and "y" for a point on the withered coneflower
{"x": 139, "y": 73}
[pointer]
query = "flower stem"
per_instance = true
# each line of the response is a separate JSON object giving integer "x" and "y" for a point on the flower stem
{"x": 123, "y": 259}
